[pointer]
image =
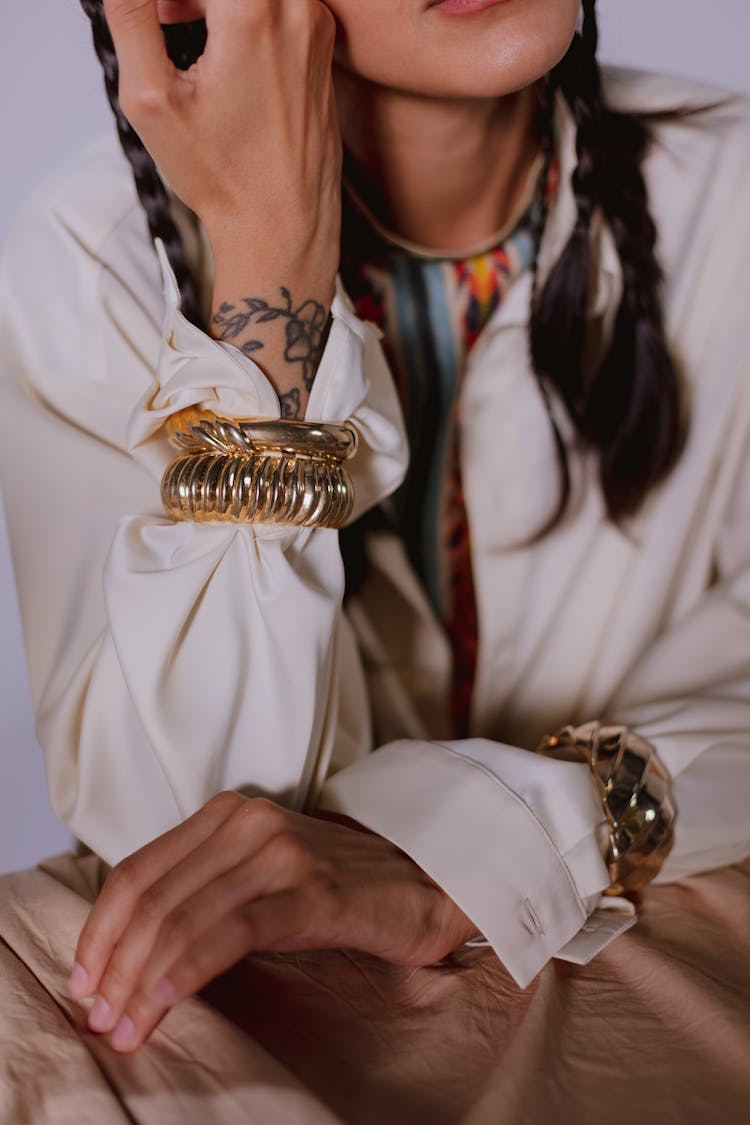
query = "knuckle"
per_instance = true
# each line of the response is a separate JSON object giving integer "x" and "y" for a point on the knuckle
{"x": 144, "y": 102}
{"x": 265, "y": 816}
{"x": 287, "y": 853}
{"x": 225, "y": 801}
{"x": 220, "y": 808}
{"x": 125, "y": 12}
{"x": 151, "y": 906}
{"x": 262, "y": 806}
{"x": 122, "y": 881}
{"x": 239, "y": 822}
{"x": 177, "y": 931}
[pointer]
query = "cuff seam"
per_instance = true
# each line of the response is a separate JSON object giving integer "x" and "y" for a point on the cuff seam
{"x": 519, "y": 800}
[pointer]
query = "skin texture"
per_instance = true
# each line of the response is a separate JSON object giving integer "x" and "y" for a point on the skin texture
{"x": 438, "y": 112}
{"x": 244, "y": 875}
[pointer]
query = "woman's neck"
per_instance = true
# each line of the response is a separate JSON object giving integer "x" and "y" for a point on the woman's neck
{"x": 439, "y": 173}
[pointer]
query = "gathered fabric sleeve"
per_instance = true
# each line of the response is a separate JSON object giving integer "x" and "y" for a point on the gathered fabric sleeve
{"x": 167, "y": 660}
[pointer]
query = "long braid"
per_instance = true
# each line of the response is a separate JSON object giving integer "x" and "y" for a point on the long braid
{"x": 629, "y": 407}
{"x": 184, "y": 45}
{"x": 545, "y": 129}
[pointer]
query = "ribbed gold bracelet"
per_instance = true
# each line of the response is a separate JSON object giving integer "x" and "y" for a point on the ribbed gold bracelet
{"x": 633, "y": 785}
{"x": 259, "y": 471}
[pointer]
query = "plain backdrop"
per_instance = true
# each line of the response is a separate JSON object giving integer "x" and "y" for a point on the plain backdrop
{"x": 51, "y": 102}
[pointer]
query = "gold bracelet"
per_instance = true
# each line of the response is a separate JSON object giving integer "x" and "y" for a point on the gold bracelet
{"x": 258, "y": 471}
{"x": 195, "y": 431}
{"x": 296, "y": 491}
{"x": 633, "y": 785}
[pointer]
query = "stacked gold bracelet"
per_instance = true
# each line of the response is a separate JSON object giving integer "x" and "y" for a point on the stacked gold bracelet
{"x": 258, "y": 471}
{"x": 634, "y": 787}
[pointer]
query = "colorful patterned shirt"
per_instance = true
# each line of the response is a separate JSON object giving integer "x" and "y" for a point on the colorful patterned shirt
{"x": 431, "y": 311}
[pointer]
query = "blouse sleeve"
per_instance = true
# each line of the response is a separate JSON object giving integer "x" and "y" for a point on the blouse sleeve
{"x": 167, "y": 660}
{"x": 511, "y": 836}
{"x": 690, "y": 695}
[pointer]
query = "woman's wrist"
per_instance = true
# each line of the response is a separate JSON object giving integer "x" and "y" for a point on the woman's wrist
{"x": 278, "y": 315}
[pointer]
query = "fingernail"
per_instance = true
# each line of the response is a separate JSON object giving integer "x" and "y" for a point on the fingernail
{"x": 124, "y": 1034}
{"x": 164, "y": 992}
{"x": 100, "y": 1016}
{"x": 79, "y": 981}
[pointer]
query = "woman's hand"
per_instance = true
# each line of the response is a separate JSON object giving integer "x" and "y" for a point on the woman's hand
{"x": 248, "y": 137}
{"x": 242, "y": 876}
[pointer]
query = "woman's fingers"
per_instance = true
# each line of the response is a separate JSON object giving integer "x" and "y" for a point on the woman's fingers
{"x": 139, "y": 43}
{"x": 243, "y": 876}
{"x": 172, "y": 917}
{"x": 268, "y": 30}
{"x": 248, "y": 137}
{"x": 127, "y": 882}
{"x": 275, "y": 922}
{"x": 177, "y": 908}
{"x": 282, "y": 863}
{"x": 180, "y": 11}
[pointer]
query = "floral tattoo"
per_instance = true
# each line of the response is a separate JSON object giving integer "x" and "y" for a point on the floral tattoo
{"x": 305, "y": 332}
{"x": 291, "y": 407}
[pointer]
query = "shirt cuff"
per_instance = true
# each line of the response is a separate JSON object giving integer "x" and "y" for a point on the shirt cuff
{"x": 510, "y": 836}
{"x": 352, "y": 384}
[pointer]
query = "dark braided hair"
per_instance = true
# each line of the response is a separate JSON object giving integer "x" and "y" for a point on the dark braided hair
{"x": 627, "y": 405}
{"x": 185, "y": 42}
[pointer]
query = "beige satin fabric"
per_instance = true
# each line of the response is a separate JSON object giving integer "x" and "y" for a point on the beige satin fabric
{"x": 655, "y": 1029}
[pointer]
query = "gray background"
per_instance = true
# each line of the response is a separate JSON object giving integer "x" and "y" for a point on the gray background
{"x": 51, "y": 102}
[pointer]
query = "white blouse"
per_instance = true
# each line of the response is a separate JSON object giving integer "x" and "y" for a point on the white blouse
{"x": 171, "y": 660}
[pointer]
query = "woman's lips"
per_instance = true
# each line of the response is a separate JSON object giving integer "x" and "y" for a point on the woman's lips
{"x": 463, "y": 7}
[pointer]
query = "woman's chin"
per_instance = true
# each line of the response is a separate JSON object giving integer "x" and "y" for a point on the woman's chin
{"x": 488, "y": 53}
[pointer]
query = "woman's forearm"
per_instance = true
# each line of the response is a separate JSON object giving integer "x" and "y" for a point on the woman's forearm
{"x": 255, "y": 152}
{"x": 278, "y": 315}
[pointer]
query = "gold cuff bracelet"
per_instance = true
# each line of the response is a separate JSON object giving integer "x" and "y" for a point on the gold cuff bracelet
{"x": 258, "y": 471}
{"x": 633, "y": 785}
{"x": 194, "y": 430}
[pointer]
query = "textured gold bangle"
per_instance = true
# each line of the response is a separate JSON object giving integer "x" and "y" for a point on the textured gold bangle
{"x": 634, "y": 787}
{"x": 265, "y": 488}
{"x": 258, "y": 470}
{"x": 195, "y": 431}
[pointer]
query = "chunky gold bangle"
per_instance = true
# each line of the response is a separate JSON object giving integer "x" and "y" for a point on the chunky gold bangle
{"x": 297, "y": 491}
{"x": 247, "y": 470}
{"x": 634, "y": 787}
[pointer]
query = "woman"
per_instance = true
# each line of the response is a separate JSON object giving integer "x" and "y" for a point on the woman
{"x": 497, "y": 232}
